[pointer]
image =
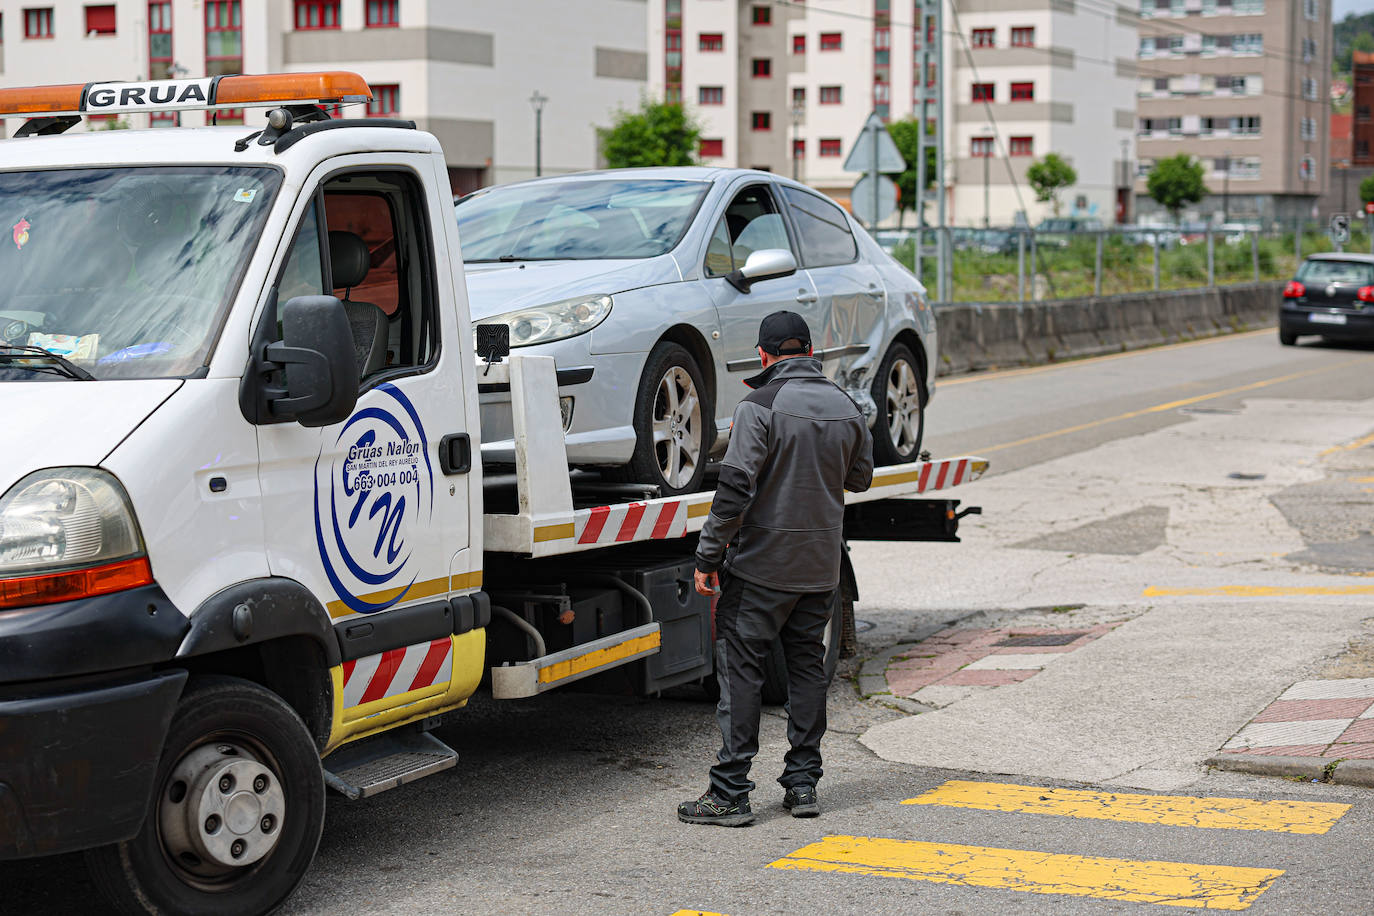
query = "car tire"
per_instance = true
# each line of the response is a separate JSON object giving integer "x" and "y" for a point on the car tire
{"x": 775, "y": 663}
{"x": 673, "y": 423}
{"x": 899, "y": 391}
{"x": 1288, "y": 338}
{"x": 226, "y": 732}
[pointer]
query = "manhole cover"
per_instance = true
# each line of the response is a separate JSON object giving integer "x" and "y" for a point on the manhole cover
{"x": 863, "y": 626}
{"x": 1040, "y": 639}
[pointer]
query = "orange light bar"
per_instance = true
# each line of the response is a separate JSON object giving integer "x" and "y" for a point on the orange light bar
{"x": 41, "y": 99}
{"x": 73, "y": 584}
{"x": 336, "y": 85}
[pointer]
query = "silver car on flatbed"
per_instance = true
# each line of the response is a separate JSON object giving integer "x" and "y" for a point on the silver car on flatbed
{"x": 647, "y": 286}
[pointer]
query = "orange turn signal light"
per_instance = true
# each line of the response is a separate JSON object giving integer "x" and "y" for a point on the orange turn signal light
{"x": 41, "y": 99}
{"x": 335, "y": 85}
{"x": 76, "y": 583}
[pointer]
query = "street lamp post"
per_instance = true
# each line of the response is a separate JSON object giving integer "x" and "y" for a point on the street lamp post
{"x": 1226, "y": 189}
{"x": 1125, "y": 180}
{"x": 538, "y": 101}
{"x": 987, "y": 161}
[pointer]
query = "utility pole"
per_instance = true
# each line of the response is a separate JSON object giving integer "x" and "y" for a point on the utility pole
{"x": 796, "y": 130}
{"x": 538, "y": 101}
{"x": 930, "y": 115}
{"x": 1125, "y": 180}
{"x": 987, "y": 160}
{"x": 1226, "y": 189}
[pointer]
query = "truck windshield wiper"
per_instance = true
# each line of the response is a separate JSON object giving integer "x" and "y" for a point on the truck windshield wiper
{"x": 16, "y": 352}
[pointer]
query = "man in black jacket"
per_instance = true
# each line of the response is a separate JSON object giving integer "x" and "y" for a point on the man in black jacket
{"x": 797, "y": 443}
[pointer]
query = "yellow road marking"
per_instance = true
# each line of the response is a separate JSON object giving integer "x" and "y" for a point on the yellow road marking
{"x": 1088, "y": 361}
{"x": 1363, "y": 479}
{"x": 1349, "y": 447}
{"x": 598, "y": 657}
{"x": 1169, "y": 810}
{"x": 1213, "y": 887}
{"x": 1259, "y": 591}
{"x": 1160, "y": 408}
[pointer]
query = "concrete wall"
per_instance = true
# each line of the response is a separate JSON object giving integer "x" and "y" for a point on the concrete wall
{"x": 976, "y": 336}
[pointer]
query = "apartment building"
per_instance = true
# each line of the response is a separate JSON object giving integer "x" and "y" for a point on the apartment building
{"x": 1242, "y": 85}
{"x": 464, "y": 71}
{"x": 787, "y": 86}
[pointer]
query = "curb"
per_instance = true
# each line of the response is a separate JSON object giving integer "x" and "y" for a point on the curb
{"x": 1257, "y": 765}
{"x": 1354, "y": 773}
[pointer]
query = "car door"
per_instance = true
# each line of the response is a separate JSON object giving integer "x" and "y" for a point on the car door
{"x": 751, "y": 221}
{"x": 364, "y": 513}
{"x": 851, "y": 290}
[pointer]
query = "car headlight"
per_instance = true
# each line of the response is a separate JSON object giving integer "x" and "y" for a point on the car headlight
{"x": 555, "y": 321}
{"x": 67, "y": 533}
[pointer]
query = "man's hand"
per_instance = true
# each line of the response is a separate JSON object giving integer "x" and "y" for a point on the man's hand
{"x": 707, "y": 583}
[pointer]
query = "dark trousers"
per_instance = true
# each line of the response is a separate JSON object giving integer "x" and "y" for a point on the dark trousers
{"x": 748, "y": 618}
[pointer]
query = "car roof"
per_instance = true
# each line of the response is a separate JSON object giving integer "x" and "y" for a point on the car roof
{"x": 1341, "y": 256}
{"x": 656, "y": 173}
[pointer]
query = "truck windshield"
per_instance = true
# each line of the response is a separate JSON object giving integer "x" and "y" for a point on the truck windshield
{"x": 123, "y": 272}
{"x": 577, "y": 220}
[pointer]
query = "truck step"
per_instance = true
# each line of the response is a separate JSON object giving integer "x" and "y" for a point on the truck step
{"x": 385, "y": 762}
{"x": 533, "y": 677}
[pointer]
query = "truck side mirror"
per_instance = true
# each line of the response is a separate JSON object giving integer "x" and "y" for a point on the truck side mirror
{"x": 318, "y": 364}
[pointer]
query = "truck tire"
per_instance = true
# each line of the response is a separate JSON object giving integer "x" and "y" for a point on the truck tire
{"x": 899, "y": 391}
{"x": 673, "y": 421}
{"x": 775, "y": 665}
{"x": 237, "y": 812}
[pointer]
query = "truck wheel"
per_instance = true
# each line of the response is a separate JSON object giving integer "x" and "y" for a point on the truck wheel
{"x": 899, "y": 392}
{"x": 775, "y": 664}
{"x": 672, "y": 422}
{"x": 237, "y": 814}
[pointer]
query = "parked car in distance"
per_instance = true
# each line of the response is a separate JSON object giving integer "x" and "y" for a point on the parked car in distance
{"x": 647, "y": 287}
{"x": 1331, "y": 295}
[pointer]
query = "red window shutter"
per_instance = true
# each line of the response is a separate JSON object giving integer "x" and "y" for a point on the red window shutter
{"x": 100, "y": 19}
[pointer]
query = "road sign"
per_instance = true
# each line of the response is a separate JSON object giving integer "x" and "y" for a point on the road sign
{"x": 1369, "y": 207}
{"x": 1340, "y": 228}
{"x": 861, "y": 155}
{"x": 862, "y": 197}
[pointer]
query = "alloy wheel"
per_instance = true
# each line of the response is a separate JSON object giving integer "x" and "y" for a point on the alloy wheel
{"x": 903, "y": 407}
{"x": 677, "y": 427}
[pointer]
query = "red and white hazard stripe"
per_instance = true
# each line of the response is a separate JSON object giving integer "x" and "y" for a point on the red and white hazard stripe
{"x": 640, "y": 521}
{"x": 397, "y": 671}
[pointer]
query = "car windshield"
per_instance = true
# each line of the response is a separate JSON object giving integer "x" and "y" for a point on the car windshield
{"x": 577, "y": 220}
{"x": 124, "y": 272}
{"x": 1354, "y": 272}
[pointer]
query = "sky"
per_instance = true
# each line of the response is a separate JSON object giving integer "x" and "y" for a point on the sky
{"x": 1341, "y": 8}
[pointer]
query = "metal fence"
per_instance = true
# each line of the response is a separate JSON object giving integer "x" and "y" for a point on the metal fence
{"x": 1021, "y": 265}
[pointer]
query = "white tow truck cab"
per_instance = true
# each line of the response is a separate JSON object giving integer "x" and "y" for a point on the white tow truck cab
{"x": 244, "y": 551}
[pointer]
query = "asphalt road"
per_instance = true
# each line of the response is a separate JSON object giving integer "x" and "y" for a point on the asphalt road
{"x": 565, "y": 804}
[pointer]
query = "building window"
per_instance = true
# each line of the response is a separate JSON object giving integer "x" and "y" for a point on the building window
{"x": 798, "y": 44}
{"x": 984, "y": 38}
{"x": 383, "y": 14}
{"x": 711, "y": 41}
{"x": 1023, "y": 92}
{"x": 710, "y": 149}
{"x": 160, "y": 40}
{"x": 1309, "y": 50}
{"x": 1310, "y": 10}
{"x": 798, "y": 149}
{"x": 1307, "y": 168}
{"x": 761, "y": 67}
{"x": 761, "y": 15}
{"x": 1307, "y": 129}
{"x": 100, "y": 20}
{"x": 1021, "y": 146}
{"x": 831, "y": 95}
{"x": 981, "y": 147}
{"x": 832, "y": 41}
{"x": 38, "y": 23}
{"x": 829, "y": 146}
{"x": 317, "y": 14}
{"x": 983, "y": 92}
{"x": 760, "y": 120}
{"x": 711, "y": 95}
{"x": 386, "y": 101}
{"x": 1250, "y": 43}
{"x": 223, "y": 38}
{"x": 672, "y": 49}
{"x": 798, "y": 96}
{"x": 1023, "y": 37}
{"x": 1309, "y": 89}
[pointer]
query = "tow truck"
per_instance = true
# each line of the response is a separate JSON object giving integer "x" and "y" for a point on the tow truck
{"x": 245, "y": 553}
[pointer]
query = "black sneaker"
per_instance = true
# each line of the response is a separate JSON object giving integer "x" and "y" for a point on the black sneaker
{"x": 711, "y": 809}
{"x": 801, "y": 801}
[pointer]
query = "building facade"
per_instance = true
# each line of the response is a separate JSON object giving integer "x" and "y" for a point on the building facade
{"x": 787, "y": 86}
{"x": 1242, "y": 86}
{"x": 464, "y": 71}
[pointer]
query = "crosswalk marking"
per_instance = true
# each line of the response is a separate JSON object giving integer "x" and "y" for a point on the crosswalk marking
{"x": 1171, "y": 810}
{"x": 1217, "y": 887}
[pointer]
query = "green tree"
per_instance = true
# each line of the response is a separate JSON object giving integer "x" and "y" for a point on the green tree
{"x": 1367, "y": 190}
{"x": 1176, "y": 182}
{"x": 907, "y": 135}
{"x": 658, "y": 133}
{"x": 1048, "y": 177}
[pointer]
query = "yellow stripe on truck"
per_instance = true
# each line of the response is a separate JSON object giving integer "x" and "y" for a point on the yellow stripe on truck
{"x": 598, "y": 658}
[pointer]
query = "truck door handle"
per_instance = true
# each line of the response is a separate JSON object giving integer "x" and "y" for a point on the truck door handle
{"x": 805, "y": 297}
{"x": 455, "y": 453}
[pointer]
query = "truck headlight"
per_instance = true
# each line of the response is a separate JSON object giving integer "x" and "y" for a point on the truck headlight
{"x": 68, "y": 533}
{"x": 555, "y": 321}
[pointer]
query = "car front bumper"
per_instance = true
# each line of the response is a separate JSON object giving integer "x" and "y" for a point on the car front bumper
{"x": 1358, "y": 325}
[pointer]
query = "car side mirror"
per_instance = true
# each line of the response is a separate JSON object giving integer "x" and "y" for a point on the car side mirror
{"x": 764, "y": 264}
{"x": 311, "y": 374}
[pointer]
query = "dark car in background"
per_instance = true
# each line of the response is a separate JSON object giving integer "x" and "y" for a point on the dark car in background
{"x": 1332, "y": 295}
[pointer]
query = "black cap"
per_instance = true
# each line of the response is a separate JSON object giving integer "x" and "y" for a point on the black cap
{"x": 783, "y": 326}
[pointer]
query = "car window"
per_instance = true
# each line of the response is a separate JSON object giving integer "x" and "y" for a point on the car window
{"x": 1337, "y": 272}
{"x": 824, "y": 236}
{"x": 751, "y": 223}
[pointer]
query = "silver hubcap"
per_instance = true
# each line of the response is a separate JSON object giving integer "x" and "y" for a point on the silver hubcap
{"x": 677, "y": 427}
{"x": 222, "y": 809}
{"x": 903, "y": 407}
